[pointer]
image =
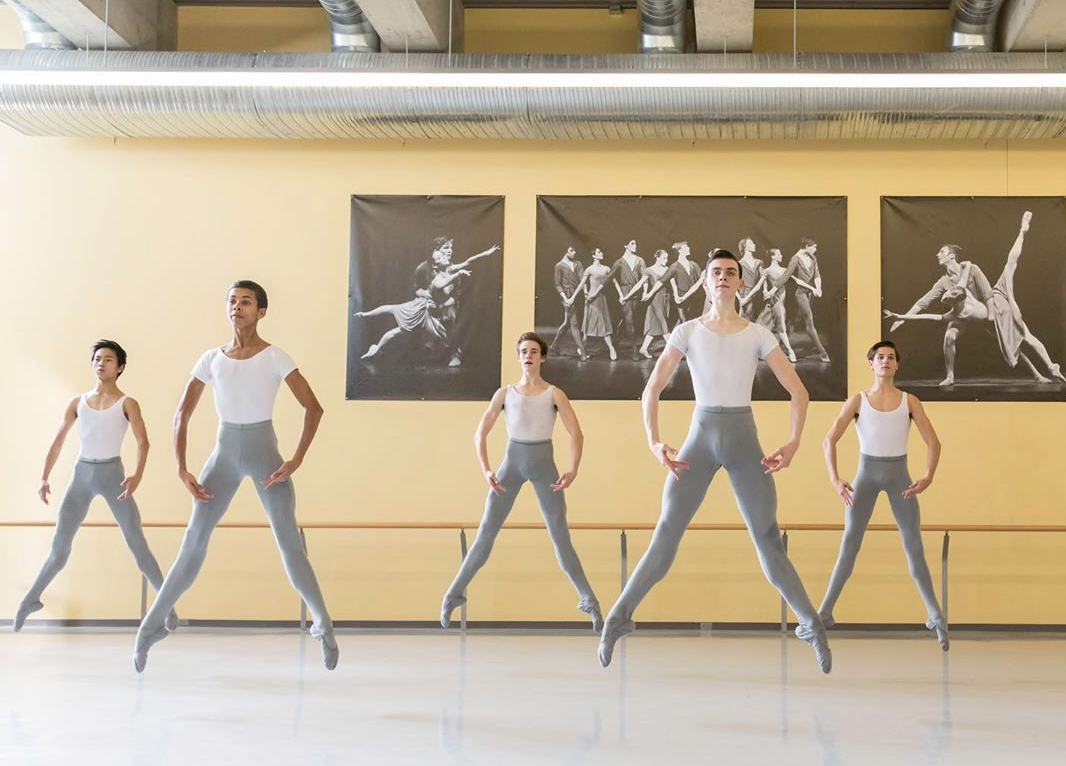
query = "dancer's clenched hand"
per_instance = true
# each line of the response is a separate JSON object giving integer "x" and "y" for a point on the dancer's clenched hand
{"x": 196, "y": 489}
{"x": 565, "y": 480}
{"x": 287, "y": 469}
{"x": 43, "y": 490}
{"x": 917, "y": 487}
{"x": 494, "y": 483}
{"x": 780, "y": 458}
{"x": 845, "y": 491}
{"x": 664, "y": 454}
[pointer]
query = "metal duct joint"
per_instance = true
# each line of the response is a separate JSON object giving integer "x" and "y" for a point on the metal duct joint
{"x": 38, "y": 33}
{"x": 973, "y": 25}
{"x": 662, "y": 26}
{"x": 350, "y": 30}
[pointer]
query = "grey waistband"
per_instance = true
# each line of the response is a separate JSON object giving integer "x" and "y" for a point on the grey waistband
{"x": 519, "y": 441}
{"x": 724, "y": 410}
{"x": 874, "y": 458}
{"x": 246, "y": 426}
{"x": 91, "y": 461}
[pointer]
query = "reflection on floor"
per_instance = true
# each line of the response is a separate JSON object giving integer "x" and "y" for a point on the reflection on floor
{"x": 244, "y": 697}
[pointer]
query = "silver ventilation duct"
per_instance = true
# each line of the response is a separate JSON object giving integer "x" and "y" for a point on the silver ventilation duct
{"x": 662, "y": 26}
{"x": 349, "y": 29}
{"x": 39, "y": 34}
{"x": 973, "y": 25}
{"x": 391, "y": 95}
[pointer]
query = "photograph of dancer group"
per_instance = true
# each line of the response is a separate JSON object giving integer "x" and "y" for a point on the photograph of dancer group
{"x": 607, "y": 302}
{"x": 425, "y": 311}
{"x": 975, "y": 339}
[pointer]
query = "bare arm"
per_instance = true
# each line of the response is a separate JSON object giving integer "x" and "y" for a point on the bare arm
{"x": 787, "y": 377}
{"x": 301, "y": 389}
{"x": 484, "y": 426}
{"x": 479, "y": 256}
{"x": 70, "y": 414}
{"x": 636, "y": 287}
{"x": 660, "y": 378}
{"x": 932, "y": 446}
{"x": 577, "y": 439}
{"x": 919, "y": 305}
{"x": 930, "y": 317}
{"x": 829, "y": 446}
{"x": 132, "y": 411}
{"x": 751, "y": 293}
{"x": 186, "y": 405}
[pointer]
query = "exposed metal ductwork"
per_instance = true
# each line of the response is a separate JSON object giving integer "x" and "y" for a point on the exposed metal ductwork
{"x": 349, "y": 29}
{"x": 662, "y": 26}
{"x": 973, "y": 25}
{"x": 38, "y": 34}
{"x": 390, "y": 95}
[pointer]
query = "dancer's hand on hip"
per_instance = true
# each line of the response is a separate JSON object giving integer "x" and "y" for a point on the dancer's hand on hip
{"x": 196, "y": 489}
{"x": 287, "y": 469}
{"x": 664, "y": 454}
{"x": 780, "y": 458}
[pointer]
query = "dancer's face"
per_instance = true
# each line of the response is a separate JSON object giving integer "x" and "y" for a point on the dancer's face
{"x": 105, "y": 365}
{"x": 884, "y": 364}
{"x": 529, "y": 356}
{"x": 597, "y": 255}
{"x": 723, "y": 277}
{"x": 631, "y": 246}
{"x": 775, "y": 256}
{"x": 242, "y": 309}
{"x": 662, "y": 258}
{"x": 570, "y": 252}
{"x": 683, "y": 251}
{"x": 944, "y": 256}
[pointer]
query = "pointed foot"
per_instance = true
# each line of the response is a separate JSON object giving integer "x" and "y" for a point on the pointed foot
{"x": 26, "y": 608}
{"x": 609, "y": 637}
{"x": 591, "y": 607}
{"x": 447, "y": 607}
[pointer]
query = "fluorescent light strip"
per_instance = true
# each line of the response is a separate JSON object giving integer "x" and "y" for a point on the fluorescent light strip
{"x": 360, "y": 80}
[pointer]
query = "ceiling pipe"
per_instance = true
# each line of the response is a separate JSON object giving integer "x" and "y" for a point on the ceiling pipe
{"x": 973, "y": 25}
{"x": 39, "y": 34}
{"x": 662, "y": 26}
{"x": 480, "y": 96}
{"x": 349, "y": 29}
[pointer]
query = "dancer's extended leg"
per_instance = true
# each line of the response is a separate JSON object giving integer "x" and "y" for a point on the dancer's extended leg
{"x": 682, "y": 497}
{"x": 497, "y": 508}
{"x": 803, "y": 302}
{"x": 553, "y": 507}
{"x": 856, "y": 519}
{"x": 128, "y": 517}
{"x": 261, "y": 458}
{"x": 221, "y": 476}
{"x": 908, "y": 519}
{"x": 73, "y": 509}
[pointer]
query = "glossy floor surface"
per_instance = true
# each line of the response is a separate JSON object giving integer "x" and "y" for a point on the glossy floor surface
{"x": 244, "y": 697}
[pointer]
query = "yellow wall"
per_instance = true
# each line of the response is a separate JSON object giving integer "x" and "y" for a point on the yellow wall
{"x": 138, "y": 239}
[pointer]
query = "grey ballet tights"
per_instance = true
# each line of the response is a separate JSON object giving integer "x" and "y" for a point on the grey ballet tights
{"x": 522, "y": 462}
{"x": 876, "y": 475}
{"x": 245, "y": 450}
{"x": 720, "y": 437}
{"x": 92, "y": 478}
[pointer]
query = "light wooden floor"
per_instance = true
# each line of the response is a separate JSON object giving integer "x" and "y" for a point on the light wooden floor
{"x": 244, "y": 697}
